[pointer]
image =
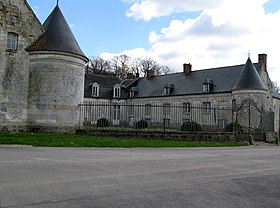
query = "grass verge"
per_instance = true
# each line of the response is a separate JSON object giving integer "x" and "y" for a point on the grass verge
{"x": 65, "y": 140}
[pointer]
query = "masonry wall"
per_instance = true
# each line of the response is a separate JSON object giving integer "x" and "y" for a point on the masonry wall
{"x": 16, "y": 17}
{"x": 56, "y": 88}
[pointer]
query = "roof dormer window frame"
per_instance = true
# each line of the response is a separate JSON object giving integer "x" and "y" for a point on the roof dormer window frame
{"x": 95, "y": 89}
{"x": 168, "y": 89}
{"x": 117, "y": 91}
{"x": 206, "y": 87}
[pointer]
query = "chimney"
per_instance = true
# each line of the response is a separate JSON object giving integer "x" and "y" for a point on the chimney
{"x": 187, "y": 68}
{"x": 129, "y": 76}
{"x": 149, "y": 74}
{"x": 263, "y": 61}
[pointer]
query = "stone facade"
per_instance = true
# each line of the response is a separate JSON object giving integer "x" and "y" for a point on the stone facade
{"x": 56, "y": 88}
{"x": 39, "y": 90}
{"x": 235, "y": 96}
{"x": 15, "y": 17}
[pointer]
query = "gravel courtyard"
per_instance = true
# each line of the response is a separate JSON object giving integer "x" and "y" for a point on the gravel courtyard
{"x": 166, "y": 177}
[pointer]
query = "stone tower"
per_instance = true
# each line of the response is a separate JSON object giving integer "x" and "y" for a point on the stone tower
{"x": 56, "y": 78}
{"x": 19, "y": 27}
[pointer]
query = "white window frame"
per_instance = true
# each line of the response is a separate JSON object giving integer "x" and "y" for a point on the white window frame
{"x": 12, "y": 41}
{"x": 206, "y": 87}
{"x": 117, "y": 91}
{"x": 95, "y": 90}
{"x": 222, "y": 123}
{"x": 131, "y": 94}
{"x": 206, "y": 107}
{"x": 148, "y": 109}
{"x": 167, "y": 91}
{"x": 186, "y": 108}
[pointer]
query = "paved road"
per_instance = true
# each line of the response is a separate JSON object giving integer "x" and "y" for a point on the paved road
{"x": 184, "y": 177}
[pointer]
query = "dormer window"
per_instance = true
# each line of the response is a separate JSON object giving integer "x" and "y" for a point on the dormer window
{"x": 95, "y": 90}
{"x": 208, "y": 85}
{"x": 12, "y": 41}
{"x": 133, "y": 91}
{"x": 117, "y": 91}
{"x": 168, "y": 89}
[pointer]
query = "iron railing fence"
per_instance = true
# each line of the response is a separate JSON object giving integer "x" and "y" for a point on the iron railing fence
{"x": 154, "y": 116}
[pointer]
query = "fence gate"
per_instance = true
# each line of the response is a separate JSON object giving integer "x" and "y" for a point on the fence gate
{"x": 252, "y": 119}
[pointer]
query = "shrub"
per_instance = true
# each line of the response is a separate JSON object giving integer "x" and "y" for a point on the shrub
{"x": 233, "y": 126}
{"x": 190, "y": 126}
{"x": 102, "y": 122}
{"x": 142, "y": 124}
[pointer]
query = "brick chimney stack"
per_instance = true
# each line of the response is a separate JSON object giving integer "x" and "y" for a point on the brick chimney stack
{"x": 150, "y": 74}
{"x": 263, "y": 61}
{"x": 187, "y": 68}
{"x": 129, "y": 76}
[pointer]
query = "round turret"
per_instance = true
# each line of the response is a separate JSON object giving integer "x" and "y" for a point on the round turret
{"x": 56, "y": 83}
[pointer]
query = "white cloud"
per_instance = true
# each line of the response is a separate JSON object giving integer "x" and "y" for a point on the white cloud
{"x": 221, "y": 36}
{"x": 148, "y": 9}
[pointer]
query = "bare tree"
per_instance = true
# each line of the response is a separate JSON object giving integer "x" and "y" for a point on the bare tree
{"x": 120, "y": 65}
{"x": 123, "y": 64}
{"x": 148, "y": 63}
{"x": 165, "y": 69}
{"x": 99, "y": 66}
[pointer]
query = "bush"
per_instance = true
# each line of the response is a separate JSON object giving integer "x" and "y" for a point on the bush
{"x": 190, "y": 126}
{"x": 142, "y": 124}
{"x": 232, "y": 127}
{"x": 102, "y": 122}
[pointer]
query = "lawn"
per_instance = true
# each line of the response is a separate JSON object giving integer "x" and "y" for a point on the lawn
{"x": 74, "y": 140}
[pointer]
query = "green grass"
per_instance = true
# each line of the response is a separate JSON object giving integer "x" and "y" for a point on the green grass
{"x": 73, "y": 140}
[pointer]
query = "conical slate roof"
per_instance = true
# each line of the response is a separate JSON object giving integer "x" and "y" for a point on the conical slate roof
{"x": 249, "y": 78}
{"x": 57, "y": 37}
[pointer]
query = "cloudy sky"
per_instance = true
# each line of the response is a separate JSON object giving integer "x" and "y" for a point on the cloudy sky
{"x": 201, "y": 32}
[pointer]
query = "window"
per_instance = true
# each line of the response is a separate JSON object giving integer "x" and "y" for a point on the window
{"x": 130, "y": 109}
{"x": 95, "y": 91}
{"x": 148, "y": 108}
{"x": 234, "y": 104}
{"x": 166, "y": 122}
{"x": 206, "y": 87}
{"x": 12, "y": 41}
{"x": 186, "y": 108}
{"x": 166, "y": 108}
{"x": 222, "y": 123}
{"x": 131, "y": 94}
{"x": 206, "y": 107}
{"x": 117, "y": 91}
{"x": 166, "y": 90}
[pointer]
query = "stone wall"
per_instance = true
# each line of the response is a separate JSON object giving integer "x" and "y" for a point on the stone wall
{"x": 176, "y": 136}
{"x": 16, "y": 17}
{"x": 56, "y": 88}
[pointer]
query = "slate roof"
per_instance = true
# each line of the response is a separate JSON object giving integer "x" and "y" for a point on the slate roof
{"x": 224, "y": 80}
{"x": 57, "y": 36}
{"x": 106, "y": 85}
{"x": 249, "y": 78}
